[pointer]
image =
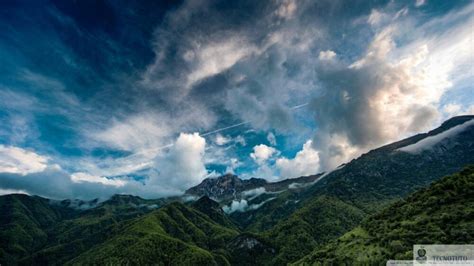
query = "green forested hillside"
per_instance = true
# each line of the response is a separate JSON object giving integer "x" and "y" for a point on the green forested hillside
{"x": 34, "y": 231}
{"x": 321, "y": 220}
{"x": 365, "y": 186}
{"x": 285, "y": 226}
{"x": 440, "y": 214}
{"x": 24, "y": 222}
{"x": 173, "y": 234}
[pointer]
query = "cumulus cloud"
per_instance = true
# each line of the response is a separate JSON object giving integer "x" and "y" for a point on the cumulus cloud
{"x": 206, "y": 65}
{"x": 326, "y": 55}
{"x": 33, "y": 174}
{"x": 15, "y": 160}
{"x": 54, "y": 182}
{"x": 261, "y": 153}
{"x": 306, "y": 162}
{"x": 221, "y": 140}
{"x": 175, "y": 170}
{"x": 388, "y": 93}
{"x": 183, "y": 166}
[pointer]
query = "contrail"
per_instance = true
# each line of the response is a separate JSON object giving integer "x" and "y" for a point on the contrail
{"x": 228, "y": 127}
{"x": 154, "y": 150}
{"x": 243, "y": 123}
{"x": 298, "y": 106}
{"x": 224, "y": 128}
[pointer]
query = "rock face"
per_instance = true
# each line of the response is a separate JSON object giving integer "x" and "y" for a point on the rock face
{"x": 224, "y": 187}
{"x": 231, "y": 186}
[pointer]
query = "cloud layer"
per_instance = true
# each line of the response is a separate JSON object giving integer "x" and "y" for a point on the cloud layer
{"x": 270, "y": 89}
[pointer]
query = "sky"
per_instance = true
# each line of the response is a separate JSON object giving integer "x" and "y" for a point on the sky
{"x": 151, "y": 97}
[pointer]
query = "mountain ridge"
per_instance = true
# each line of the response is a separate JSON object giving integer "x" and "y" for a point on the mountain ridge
{"x": 282, "y": 223}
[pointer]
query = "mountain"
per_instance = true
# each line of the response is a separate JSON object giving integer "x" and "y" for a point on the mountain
{"x": 442, "y": 213}
{"x": 173, "y": 234}
{"x": 213, "y": 210}
{"x": 225, "y": 187}
{"x": 24, "y": 221}
{"x": 254, "y": 222}
{"x": 229, "y": 187}
{"x": 360, "y": 188}
{"x": 43, "y": 230}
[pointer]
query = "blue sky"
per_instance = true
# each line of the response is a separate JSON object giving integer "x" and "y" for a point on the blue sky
{"x": 151, "y": 97}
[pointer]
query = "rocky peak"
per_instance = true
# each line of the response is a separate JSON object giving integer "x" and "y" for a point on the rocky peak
{"x": 226, "y": 186}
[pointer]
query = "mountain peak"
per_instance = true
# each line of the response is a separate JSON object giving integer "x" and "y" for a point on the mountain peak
{"x": 225, "y": 186}
{"x": 206, "y": 201}
{"x": 454, "y": 121}
{"x": 446, "y": 125}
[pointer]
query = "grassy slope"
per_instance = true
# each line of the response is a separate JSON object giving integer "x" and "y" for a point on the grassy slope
{"x": 442, "y": 213}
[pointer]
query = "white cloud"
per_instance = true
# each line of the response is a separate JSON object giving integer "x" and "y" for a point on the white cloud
{"x": 135, "y": 133}
{"x": 452, "y": 109}
{"x": 221, "y": 140}
{"x": 233, "y": 164}
{"x": 53, "y": 182}
{"x": 376, "y": 17}
{"x": 183, "y": 166}
{"x": 12, "y": 191}
{"x": 327, "y": 55}
{"x": 16, "y": 160}
{"x": 214, "y": 58}
{"x": 429, "y": 142}
{"x": 240, "y": 140}
{"x": 175, "y": 170}
{"x": 240, "y": 205}
{"x": 306, "y": 162}
{"x": 252, "y": 193}
{"x": 455, "y": 109}
{"x": 261, "y": 153}
{"x": 334, "y": 149}
{"x": 287, "y": 9}
{"x": 271, "y": 139}
{"x": 391, "y": 91}
{"x": 258, "y": 205}
{"x": 84, "y": 177}
{"x": 419, "y": 3}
